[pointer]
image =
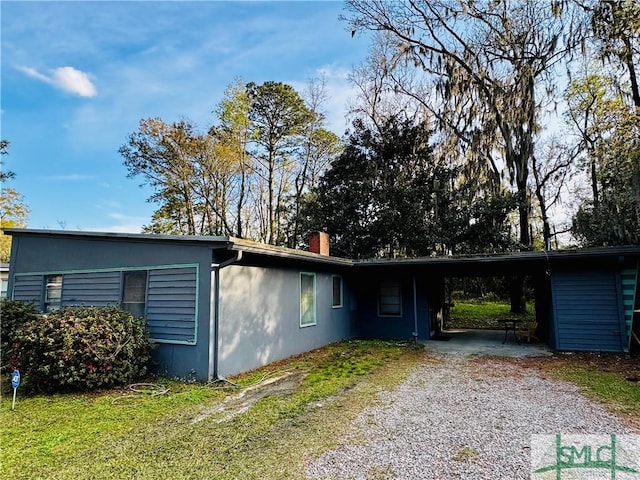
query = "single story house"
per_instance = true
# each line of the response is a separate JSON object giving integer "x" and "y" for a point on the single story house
{"x": 217, "y": 306}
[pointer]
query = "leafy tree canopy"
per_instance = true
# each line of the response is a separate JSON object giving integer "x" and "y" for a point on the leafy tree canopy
{"x": 386, "y": 196}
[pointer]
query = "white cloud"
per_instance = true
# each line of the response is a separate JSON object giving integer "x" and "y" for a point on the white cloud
{"x": 66, "y": 78}
{"x": 74, "y": 81}
{"x": 120, "y": 223}
{"x": 32, "y": 72}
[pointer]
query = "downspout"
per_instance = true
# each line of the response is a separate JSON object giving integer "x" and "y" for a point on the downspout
{"x": 415, "y": 310}
{"x": 214, "y": 315}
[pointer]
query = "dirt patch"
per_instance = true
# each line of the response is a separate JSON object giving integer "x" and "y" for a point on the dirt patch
{"x": 628, "y": 366}
{"x": 249, "y": 396}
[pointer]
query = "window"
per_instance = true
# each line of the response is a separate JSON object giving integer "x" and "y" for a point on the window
{"x": 337, "y": 291}
{"x": 307, "y": 299}
{"x": 134, "y": 292}
{"x": 389, "y": 299}
{"x": 53, "y": 293}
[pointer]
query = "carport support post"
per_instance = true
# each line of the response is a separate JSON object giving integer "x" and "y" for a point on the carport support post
{"x": 415, "y": 310}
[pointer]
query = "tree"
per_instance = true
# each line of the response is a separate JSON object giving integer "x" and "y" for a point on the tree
{"x": 386, "y": 196}
{"x": 551, "y": 170}
{"x": 616, "y": 30}
{"x": 234, "y": 134}
{"x": 595, "y": 107}
{"x": 604, "y": 110}
{"x": 608, "y": 131}
{"x": 615, "y": 220}
{"x": 278, "y": 117}
{"x": 246, "y": 174}
{"x": 13, "y": 210}
{"x": 5, "y": 174}
{"x": 381, "y": 82}
{"x": 189, "y": 176}
{"x": 489, "y": 61}
{"x": 318, "y": 147}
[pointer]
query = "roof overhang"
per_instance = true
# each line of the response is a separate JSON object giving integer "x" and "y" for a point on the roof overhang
{"x": 514, "y": 263}
{"x": 254, "y": 253}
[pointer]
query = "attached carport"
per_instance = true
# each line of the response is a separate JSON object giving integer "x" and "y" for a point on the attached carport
{"x": 585, "y": 299}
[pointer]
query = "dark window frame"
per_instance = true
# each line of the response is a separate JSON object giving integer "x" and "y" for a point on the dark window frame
{"x": 340, "y": 302}
{"x": 129, "y": 305}
{"x": 386, "y": 289}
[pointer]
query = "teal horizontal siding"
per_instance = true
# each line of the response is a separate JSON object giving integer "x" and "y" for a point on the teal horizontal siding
{"x": 98, "y": 289}
{"x": 28, "y": 288}
{"x": 171, "y": 304}
{"x": 586, "y": 311}
{"x": 628, "y": 279}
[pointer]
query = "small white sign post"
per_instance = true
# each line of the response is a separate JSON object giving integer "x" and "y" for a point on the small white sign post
{"x": 15, "y": 382}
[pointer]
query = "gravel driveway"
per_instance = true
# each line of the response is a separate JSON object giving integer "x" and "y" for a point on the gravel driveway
{"x": 462, "y": 418}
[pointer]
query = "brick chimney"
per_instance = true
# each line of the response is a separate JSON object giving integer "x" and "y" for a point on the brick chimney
{"x": 319, "y": 243}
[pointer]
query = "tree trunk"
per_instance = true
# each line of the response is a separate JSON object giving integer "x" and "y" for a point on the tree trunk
{"x": 594, "y": 183}
{"x": 239, "y": 231}
{"x": 546, "y": 227}
{"x": 635, "y": 90}
{"x": 524, "y": 206}
{"x": 271, "y": 212}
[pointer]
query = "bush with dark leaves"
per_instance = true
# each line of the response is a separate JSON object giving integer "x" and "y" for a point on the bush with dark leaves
{"x": 82, "y": 349}
{"x": 13, "y": 315}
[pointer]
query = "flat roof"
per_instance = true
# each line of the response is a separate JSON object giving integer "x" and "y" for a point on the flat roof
{"x": 214, "y": 242}
{"x": 515, "y": 257}
{"x": 256, "y": 249}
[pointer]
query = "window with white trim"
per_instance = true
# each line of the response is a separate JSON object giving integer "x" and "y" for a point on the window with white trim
{"x": 307, "y": 299}
{"x": 389, "y": 299}
{"x": 336, "y": 284}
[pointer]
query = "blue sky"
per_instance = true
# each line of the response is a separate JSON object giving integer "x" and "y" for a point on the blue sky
{"x": 77, "y": 77}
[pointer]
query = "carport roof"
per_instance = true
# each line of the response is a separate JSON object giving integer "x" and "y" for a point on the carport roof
{"x": 514, "y": 263}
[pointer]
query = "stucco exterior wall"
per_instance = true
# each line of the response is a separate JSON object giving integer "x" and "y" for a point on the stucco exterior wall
{"x": 260, "y": 316}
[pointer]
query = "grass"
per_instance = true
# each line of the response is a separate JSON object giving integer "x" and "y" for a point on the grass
{"x": 483, "y": 314}
{"x": 113, "y": 436}
{"x": 608, "y": 379}
{"x": 611, "y": 388}
{"x": 466, "y": 454}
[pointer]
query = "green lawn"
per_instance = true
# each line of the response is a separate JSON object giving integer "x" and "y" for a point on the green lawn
{"x": 480, "y": 314}
{"x": 114, "y": 435}
{"x": 611, "y": 388}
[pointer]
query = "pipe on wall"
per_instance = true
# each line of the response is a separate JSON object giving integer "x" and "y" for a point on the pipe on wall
{"x": 214, "y": 315}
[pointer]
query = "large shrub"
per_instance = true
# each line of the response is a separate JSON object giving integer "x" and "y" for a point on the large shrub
{"x": 82, "y": 349}
{"x": 13, "y": 315}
